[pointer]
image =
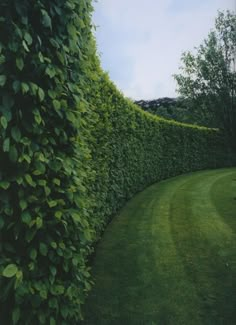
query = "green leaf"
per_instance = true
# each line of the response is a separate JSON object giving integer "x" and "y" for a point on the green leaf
{"x": 52, "y": 203}
{"x": 82, "y": 25}
{"x": 58, "y": 214}
{"x": 51, "y": 72}
{"x": 3, "y": 80}
{"x": 7, "y": 114}
{"x": 26, "y": 158}
{"x": 23, "y": 204}
{"x": 54, "y": 244}
{"x": 13, "y": 154}
{"x": 56, "y": 104}
{"x": 19, "y": 274}
{"x": 41, "y": 94}
{"x": 19, "y": 180}
{"x": 47, "y": 190}
{"x": 39, "y": 169}
{"x": 76, "y": 217}
{"x": 42, "y": 182}
{"x": 6, "y": 145}
{"x": 57, "y": 181}
{"x": 19, "y": 278}
{"x": 64, "y": 312}
{"x": 41, "y": 57}
{"x": 62, "y": 245}
{"x": 3, "y": 121}
{"x": 8, "y": 210}
{"x": 10, "y": 270}
{"x": 71, "y": 117}
{"x": 87, "y": 234}
{"x": 53, "y": 270}
{"x": 34, "y": 88}
{"x": 52, "y": 94}
{"x": 16, "y": 86}
{"x": 72, "y": 30}
{"x": 29, "y": 180}
{"x": 33, "y": 254}
{"x": 43, "y": 249}
{"x": 15, "y": 133}
{"x": 20, "y": 63}
{"x": 58, "y": 290}
{"x": 26, "y": 217}
{"x": 38, "y": 118}
{"x": 39, "y": 222}
{"x": 46, "y": 20}
{"x": 28, "y": 38}
{"x": 25, "y": 46}
{"x": 4, "y": 184}
{"x": 24, "y": 87}
{"x": 7, "y": 104}
{"x": 43, "y": 293}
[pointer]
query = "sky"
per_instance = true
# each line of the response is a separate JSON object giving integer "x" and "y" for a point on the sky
{"x": 140, "y": 42}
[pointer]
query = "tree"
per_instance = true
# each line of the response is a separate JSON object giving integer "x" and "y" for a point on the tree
{"x": 208, "y": 77}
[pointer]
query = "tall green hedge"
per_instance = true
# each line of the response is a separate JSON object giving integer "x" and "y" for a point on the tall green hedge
{"x": 134, "y": 149}
{"x": 44, "y": 169}
{"x": 72, "y": 151}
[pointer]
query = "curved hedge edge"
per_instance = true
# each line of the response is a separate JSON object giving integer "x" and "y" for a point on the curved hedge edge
{"x": 171, "y": 148}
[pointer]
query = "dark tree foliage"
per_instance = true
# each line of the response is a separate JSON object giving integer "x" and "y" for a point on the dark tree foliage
{"x": 179, "y": 109}
{"x": 208, "y": 77}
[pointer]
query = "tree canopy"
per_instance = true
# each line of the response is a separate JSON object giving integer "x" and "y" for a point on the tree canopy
{"x": 208, "y": 76}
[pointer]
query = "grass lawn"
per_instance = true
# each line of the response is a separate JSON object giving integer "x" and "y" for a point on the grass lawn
{"x": 169, "y": 257}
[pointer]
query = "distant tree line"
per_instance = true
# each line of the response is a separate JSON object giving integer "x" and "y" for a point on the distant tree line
{"x": 179, "y": 109}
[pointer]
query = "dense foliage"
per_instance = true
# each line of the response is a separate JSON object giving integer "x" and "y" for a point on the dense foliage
{"x": 45, "y": 233}
{"x": 180, "y": 109}
{"x": 73, "y": 150}
{"x": 133, "y": 149}
{"x": 208, "y": 76}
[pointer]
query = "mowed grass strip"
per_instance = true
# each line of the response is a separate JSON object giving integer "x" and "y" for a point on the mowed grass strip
{"x": 169, "y": 257}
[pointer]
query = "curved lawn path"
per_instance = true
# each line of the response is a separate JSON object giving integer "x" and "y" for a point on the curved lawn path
{"x": 169, "y": 257}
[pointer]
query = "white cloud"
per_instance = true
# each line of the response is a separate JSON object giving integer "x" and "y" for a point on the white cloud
{"x": 157, "y": 35}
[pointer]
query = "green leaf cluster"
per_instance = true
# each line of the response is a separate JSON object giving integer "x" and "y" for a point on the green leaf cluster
{"x": 45, "y": 162}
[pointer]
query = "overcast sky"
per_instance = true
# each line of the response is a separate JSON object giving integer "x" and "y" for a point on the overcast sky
{"x": 140, "y": 41}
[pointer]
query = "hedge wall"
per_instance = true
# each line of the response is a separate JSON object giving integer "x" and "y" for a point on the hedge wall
{"x": 133, "y": 149}
{"x": 72, "y": 151}
{"x": 45, "y": 234}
